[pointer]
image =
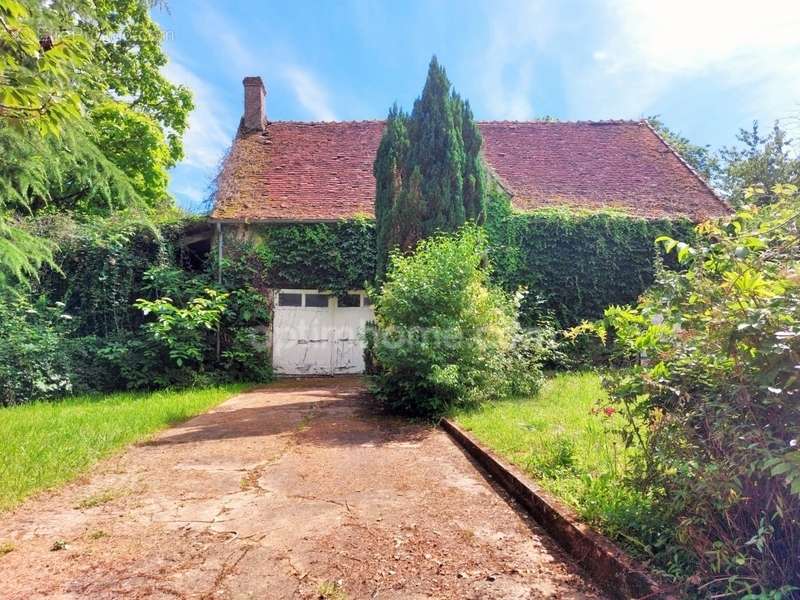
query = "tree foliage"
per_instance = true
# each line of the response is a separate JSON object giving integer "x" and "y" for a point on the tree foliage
{"x": 428, "y": 170}
{"x": 712, "y": 399}
{"x": 135, "y": 144}
{"x": 42, "y": 78}
{"x": 127, "y": 48}
{"x": 761, "y": 162}
{"x": 88, "y": 123}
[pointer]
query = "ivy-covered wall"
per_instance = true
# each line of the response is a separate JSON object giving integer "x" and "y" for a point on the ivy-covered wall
{"x": 101, "y": 269}
{"x": 327, "y": 256}
{"x": 574, "y": 264}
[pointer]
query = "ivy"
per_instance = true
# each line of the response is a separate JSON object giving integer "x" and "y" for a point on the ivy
{"x": 101, "y": 267}
{"x": 574, "y": 264}
{"x": 327, "y": 256}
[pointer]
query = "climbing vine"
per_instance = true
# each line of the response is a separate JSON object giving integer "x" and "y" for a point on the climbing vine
{"x": 327, "y": 256}
{"x": 100, "y": 269}
{"x": 574, "y": 264}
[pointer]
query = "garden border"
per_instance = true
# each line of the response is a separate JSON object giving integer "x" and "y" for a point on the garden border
{"x": 616, "y": 572}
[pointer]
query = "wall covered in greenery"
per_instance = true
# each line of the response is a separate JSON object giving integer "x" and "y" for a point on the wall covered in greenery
{"x": 101, "y": 268}
{"x": 127, "y": 303}
{"x": 327, "y": 256}
{"x": 574, "y": 264}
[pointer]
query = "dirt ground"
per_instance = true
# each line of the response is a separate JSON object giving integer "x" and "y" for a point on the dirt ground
{"x": 273, "y": 494}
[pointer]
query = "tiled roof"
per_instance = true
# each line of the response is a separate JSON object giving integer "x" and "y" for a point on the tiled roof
{"x": 323, "y": 171}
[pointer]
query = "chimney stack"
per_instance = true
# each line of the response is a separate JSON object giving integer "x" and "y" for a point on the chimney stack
{"x": 254, "y": 95}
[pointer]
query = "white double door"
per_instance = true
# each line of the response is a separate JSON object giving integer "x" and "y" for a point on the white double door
{"x": 315, "y": 333}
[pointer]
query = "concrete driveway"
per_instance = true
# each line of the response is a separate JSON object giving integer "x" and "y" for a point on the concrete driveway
{"x": 282, "y": 492}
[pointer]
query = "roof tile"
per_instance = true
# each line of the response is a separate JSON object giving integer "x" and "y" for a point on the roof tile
{"x": 296, "y": 171}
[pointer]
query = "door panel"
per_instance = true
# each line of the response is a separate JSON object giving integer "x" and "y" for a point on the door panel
{"x": 350, "y": 322}
{"x": 309, "y": 340}
{"x": 302, "y": 340}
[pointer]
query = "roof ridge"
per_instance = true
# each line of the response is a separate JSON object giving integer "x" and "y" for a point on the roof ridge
{"x": 486, "y": 122}
{"x": 551, "y": 122}
{"x": 350, "y": 122}
{"x": 686, "y": 164}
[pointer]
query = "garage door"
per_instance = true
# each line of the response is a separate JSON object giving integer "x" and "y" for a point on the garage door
{"x": 314, "y": 333}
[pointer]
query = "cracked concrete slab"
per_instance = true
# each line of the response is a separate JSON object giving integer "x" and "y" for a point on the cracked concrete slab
{"x": 274, "y": 492}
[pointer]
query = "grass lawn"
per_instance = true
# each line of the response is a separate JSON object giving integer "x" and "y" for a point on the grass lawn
{"x": 562, "y": 438}
{"x": 48, "y": 443}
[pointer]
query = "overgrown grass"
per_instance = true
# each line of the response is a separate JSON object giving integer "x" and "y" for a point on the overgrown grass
{"x": 48, "y": 443}
{"x": 562, "y": 437}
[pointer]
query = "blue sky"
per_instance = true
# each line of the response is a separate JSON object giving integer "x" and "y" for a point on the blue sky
{"x": 707, "y": 67}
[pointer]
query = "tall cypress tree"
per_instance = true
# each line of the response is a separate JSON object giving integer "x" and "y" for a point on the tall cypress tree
{"x": 428, "y": 170}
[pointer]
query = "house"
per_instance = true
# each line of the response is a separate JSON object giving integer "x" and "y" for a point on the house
{"x": 297, "y": 172}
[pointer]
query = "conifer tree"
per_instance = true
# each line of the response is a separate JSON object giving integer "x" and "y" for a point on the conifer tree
{"x": 428, "y": 170}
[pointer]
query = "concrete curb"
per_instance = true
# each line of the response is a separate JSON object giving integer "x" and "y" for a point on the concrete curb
{"x": 612, "y": 569}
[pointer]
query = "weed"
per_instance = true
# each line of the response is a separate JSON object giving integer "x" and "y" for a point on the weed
{"x": 99, "y": 498}
{"x": 331, "y": 590}
{"x": 305, "y": 421}
{"x": 6, "y": 547}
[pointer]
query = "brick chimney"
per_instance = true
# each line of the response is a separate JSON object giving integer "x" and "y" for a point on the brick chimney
{"x": 254, "y": 95}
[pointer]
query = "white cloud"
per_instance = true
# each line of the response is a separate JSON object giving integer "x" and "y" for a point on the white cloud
{"x": 692, "y": 35}
{"x": 649, "y": 49}
{"x": 226, "y": 38}
{"x": 264, "y": 56}
{"x": 211, "y": 126}
{"x": 506, "y": 70}
{"x": 309, "y": 92}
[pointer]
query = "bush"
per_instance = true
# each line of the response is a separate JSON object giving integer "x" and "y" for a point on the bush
{"x": 33, "y": 365}
{"x": 177, "y": 344}
{"x": 90, "y": 369}
{"x": 183, "y": 330}
{"x": 101, "y": 267}
{"x": 444, "y": 336}
{"x": 713, "y": 399}
{"x": 110, "y": 271}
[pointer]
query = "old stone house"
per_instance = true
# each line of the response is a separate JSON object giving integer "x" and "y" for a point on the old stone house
{"x": 280, "y": 172}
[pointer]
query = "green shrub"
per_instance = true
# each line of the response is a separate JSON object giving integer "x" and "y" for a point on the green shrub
{"x": 177, "y": 344}
{"x": 712, "y": 399}
{"x": 107, "y": 342}
{"x": 444, "y": 336}
{"x": 33, "y": 365}
{"x": 183, "y": 330}
{"x": 101, "y": 268}
{"x": 90, "y": 369}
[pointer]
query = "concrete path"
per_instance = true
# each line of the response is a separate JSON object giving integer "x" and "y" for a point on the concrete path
{"x": 278, "y": 492}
